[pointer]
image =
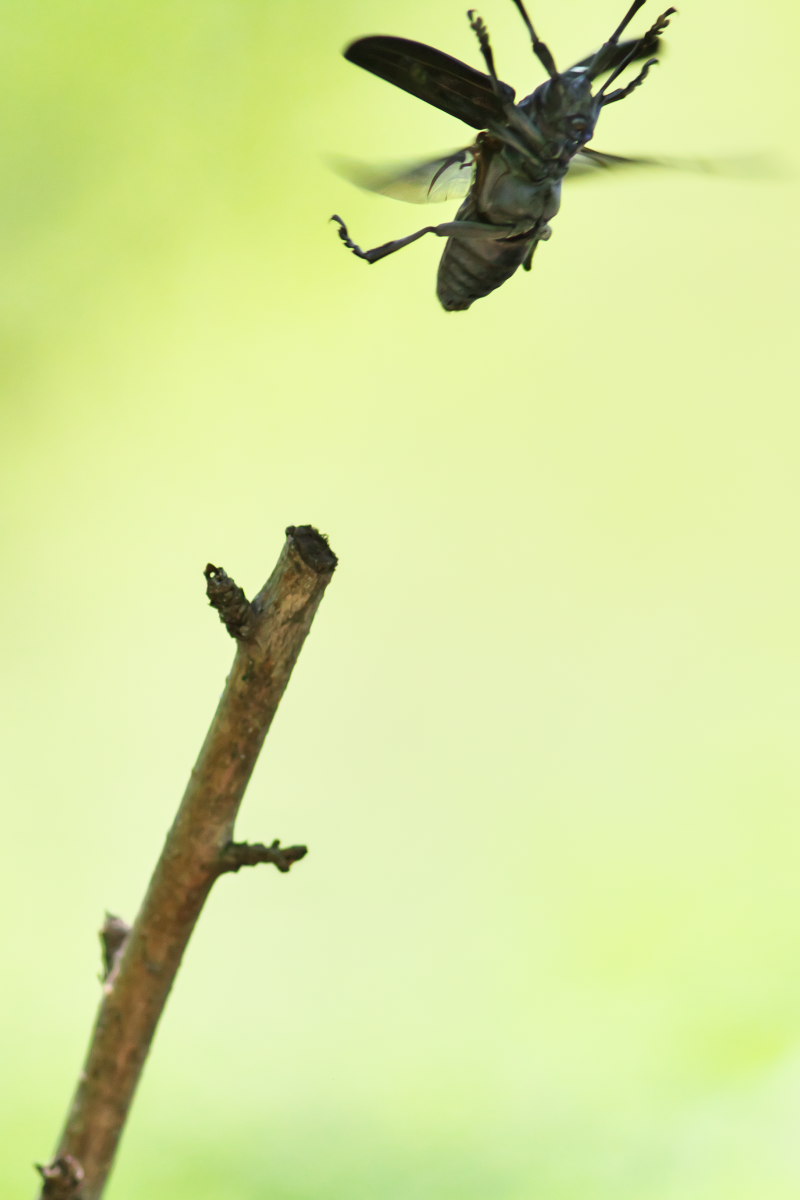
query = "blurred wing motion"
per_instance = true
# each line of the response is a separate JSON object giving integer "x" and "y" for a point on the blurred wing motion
{"x": 432, "y": 76}
{"x": 731, "y": 166}
{"x": 590, "y": 162}
{"x": 427, "y": 182}
{"x": 450, "y": 177}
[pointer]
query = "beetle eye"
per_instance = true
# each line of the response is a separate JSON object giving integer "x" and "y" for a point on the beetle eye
{"x": 579, "y": 124}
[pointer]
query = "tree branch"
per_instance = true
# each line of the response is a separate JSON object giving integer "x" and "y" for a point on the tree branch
{"x": 199, "y": 848}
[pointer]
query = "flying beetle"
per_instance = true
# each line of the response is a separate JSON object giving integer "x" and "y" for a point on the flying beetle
{"x": 514, "y": 170}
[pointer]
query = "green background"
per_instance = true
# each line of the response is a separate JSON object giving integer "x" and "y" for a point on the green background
{"x": 543, "y": 738}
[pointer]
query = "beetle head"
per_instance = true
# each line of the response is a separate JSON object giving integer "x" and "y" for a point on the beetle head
{"x": 564, "y": 110}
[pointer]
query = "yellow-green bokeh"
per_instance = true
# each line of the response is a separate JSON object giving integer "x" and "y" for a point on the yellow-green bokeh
{"x": 543, "y": 738}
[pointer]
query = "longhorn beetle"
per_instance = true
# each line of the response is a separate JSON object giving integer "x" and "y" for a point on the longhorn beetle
{"x": 515, "y": 168}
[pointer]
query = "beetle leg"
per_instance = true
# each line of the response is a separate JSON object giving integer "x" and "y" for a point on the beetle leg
{"x": 539, "y": 49}
{"x": 626, "y": 20}
{"x": 650, "y": 39}
{"x": 478, "y": 27}
{"x": 467, "y": 230}
{"x": 542, "y": 235}
{"x": 621, "y": 93}
{"x": 518, "y": 131}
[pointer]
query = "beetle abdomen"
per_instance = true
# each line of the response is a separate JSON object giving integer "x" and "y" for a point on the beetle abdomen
{"x": 470, "y": 269}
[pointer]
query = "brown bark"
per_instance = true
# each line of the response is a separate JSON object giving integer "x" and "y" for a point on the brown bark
{"x": 199, "y": 848}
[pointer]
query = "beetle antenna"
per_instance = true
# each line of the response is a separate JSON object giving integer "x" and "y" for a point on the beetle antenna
{"x": 541, "y": 51}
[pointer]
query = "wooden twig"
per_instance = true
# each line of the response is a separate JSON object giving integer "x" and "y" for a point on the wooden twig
{"x": 141, "y": 964}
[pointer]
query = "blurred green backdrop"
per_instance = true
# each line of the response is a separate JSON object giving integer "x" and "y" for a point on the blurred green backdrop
{"x": 546, "y": 940}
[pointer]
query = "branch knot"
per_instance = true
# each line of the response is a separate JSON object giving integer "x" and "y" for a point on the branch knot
{"x": 229, "y": 600}
{"x": 62, "y": 1178}
{"x": 113, "y": 936}
{"x": 248, "y": 854}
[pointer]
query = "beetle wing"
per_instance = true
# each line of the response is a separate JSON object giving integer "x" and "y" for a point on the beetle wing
{"x": 437, "y": 179}
{"x": 589, "y": 162}
{"x": 738, "y": 166}
{"x": 450, "y": 176}
{"x": 445, "y": 82}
